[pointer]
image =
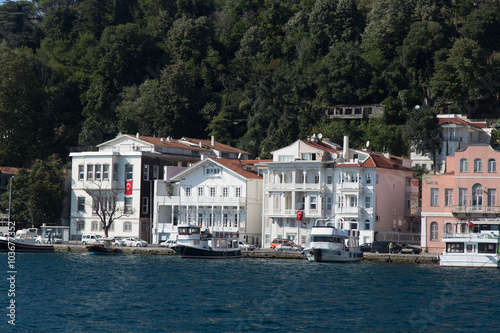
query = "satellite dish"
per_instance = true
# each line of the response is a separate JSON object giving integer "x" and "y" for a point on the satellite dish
{"x": 320, "y": 136}
{"x": 334, "y": 156}
{"x": 367, "y": 143}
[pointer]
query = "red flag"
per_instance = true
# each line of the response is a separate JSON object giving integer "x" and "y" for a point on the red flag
{"x": 471, "y": 225}
{"x": 300, "y": 215}
{"x": 128, "y": 187}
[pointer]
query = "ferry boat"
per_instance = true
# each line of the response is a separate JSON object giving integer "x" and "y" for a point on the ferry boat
{"x": 471, "y": 250}
{"x": 103, "y": 246}
{"x": 24, "y": 241}
{"x": 331, "y": 244}
{"x": 194, "y": 243}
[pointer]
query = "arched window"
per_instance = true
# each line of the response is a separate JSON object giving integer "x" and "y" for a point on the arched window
{"x": 478, "y": 165}
{"x": 434, "y": 231}
{"x": 448, "y": 228}
{"x": 464, "y": 165}
{"x": 492, "y": 165}
{"x": 477, "y": 195}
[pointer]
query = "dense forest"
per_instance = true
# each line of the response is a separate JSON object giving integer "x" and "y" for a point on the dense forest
{"x": 256, "y": 74}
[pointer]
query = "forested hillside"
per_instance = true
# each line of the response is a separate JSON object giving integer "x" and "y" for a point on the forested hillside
{"x": 257, "y": 74}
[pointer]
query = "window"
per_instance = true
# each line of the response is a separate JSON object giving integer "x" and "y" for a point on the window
{"x": 81, "y": 204}
{"x": 128, "y": 206}
{"x": 478, "y": 165}
{"x": 492, "y": 165}
{"x": 313, "y": 203}
{"x": 225, "y": 192}
{"x": 285, "y": 158}
{"x": 129, "y": 172}
{"x": 200, "y": 218}
{"x": 308, "y": 156}
{"x": 368, "y": 202}
{"x": 145, "y": 205}
{"x": 329, "y": 179}
{"x": 462, "y": 197}
{"x": 235, "y": 221}
{"x": 367, "y": 225}
{"x": 368, "y": 178}
{"x": 225, "y": 220}
{"x": 448, "y": 196}
{"x": 145, "y": 172}
{"x": 98, "y": 169}
{"x": 316, "y": 179}
{"x": 434, "y": 197}
{"x": 212, "y": 191}
{"x": 210, "y": 220}
{"x": 90, "y": 172}
{"x": 80, "y": 225}
{"x": 377, "y": 179}
{"x": 81, "y": 172}
{"x": 434, "y": 231}
{"x": 353, "y": 202}
{"x": 448, "y": 228}
{"x": 329, "y": 202}
{"x": 156, "y": 172}
{"x": 238, "y": 192}
{"x": 127, "y": 226}
{"x": 115, "y": 171}
{"x": 200, "y": 191}
{"x": 105, "y": 172}
{"x": 492, "y": 197}
{"x": 188, "y": 191}
{"x": 353, "y": 225}
{"x": 94, "y": 226}
{"x": 464, "y": 165}
{"x": 477, "y": 195}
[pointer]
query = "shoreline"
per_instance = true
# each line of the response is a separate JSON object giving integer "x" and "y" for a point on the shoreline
{"x": 425, "y": 258}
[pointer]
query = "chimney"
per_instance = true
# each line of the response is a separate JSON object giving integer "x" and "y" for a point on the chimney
{"x": 137, "y": 135}
{"x": 345, "y": 152}
{"x": 162, "y": 140}
{"x": 212, "y": 140}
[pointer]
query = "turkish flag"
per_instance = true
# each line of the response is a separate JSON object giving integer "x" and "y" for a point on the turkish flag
{"x": 300, "y": 215}
{"x": 128, "y": 187}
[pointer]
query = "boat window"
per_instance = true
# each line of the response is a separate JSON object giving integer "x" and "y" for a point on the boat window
{"x": 194, "y": 231}
{"x": 486, "y": 248}
{"x": 216, "y": 243}
{"x": 183, "y": 231}
{"x": 455, "y": 247}
{"x": 469, "y": 248}
{"x": 323, "y": 239}
{"x": 222, "y": 243}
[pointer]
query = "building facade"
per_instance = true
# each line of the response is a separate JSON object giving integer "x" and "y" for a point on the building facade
{"x": 314, "y": 179}
{"x": 463, "y": 199}
{"x": 121, "y": 173}
{"x": 216, "y": 193}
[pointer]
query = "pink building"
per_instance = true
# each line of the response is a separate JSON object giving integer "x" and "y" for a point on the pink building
{"x": 463, "y": 199}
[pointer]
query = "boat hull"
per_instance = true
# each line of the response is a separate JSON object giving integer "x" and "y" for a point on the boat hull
{"x": 22, "y": 247}
{"x": 99, "y": 250}
{"x": 477, "y": 261}
{"x": 191, "y": 252}
{"x": 332, "y": 255}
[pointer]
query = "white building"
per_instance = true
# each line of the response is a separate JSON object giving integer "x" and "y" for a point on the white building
{"x": 217, "y": 193}
{"x": 457, "y": 133}
{"x": 365, "y": 191}
{"x": 135, "y": 161}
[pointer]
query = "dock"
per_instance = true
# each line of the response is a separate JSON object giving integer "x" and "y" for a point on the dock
{"x": 424, "y": 258}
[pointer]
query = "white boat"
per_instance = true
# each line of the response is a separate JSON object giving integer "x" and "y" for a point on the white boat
{"x": 24, "y": 241}
{"x": 331, "y": 244}
{"x": 194, "y": 243}
{"x": 479, "y": 250}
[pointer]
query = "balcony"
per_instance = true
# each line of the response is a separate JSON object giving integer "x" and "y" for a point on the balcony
{"x": 293, "y": 186}
{"x": 350, "y": 185}
{"x": 194, "y": 200}
{"x": 494, "y": 210}
{"x": 348, "y": 210}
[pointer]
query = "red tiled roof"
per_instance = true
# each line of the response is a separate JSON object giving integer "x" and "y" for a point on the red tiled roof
{"x": 9, "y": 170}
{"x": 380, "y": 161}
{"x": 217, "y": 145}
{"x": 237, "y": 166}
{"x": 458, "y": 121}
{"x": 321, "y": 146}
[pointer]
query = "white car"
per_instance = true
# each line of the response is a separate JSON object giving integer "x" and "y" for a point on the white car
{"x": 168, "y": 243}
{"x": 118, "y": 241}
{"x": 134, "y": 242}
{"x": 244, "y": 246}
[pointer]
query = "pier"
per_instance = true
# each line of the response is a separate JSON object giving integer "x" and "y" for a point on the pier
{"x": 424, "y": 258}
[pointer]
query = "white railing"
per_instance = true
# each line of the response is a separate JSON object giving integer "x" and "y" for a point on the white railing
{"x": 473, "y": 236}
{"x": 476, "y": 209}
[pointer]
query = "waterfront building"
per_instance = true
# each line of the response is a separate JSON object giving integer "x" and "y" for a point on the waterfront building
{"x": 121, "y": 172}
{"x": 462, "y": 199}
{"x": 456, "y": 133}
{"x": 220, "y": 194}
{"x": 369, "y": 192}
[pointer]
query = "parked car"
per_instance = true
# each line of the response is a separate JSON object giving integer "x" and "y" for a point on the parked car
{"x": 365, "y": 247}
{"x": 406, "y": 248}
{"x": 119, "y": 241}
{"x": 44, "y": 239}
{"x": 134, "y": 242}
{"x": 383, "y": 247}
{"x": 89, "y": 239}
{"x": 288, "y": 247}
{"x": 278, "y": 241}
{"x": 168, "y": 243}
{"x": 245, "y": 246}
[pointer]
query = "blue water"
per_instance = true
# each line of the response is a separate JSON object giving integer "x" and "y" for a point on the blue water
{"x": 71, "y": 292}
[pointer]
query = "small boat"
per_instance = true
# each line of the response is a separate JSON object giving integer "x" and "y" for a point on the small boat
{"x": 24, "y": 241}
{"x": 481, "y": 250}
{"x": 331, "y": 244}
{"x": 103, "y": 246}
{"x": 194, "y": 243}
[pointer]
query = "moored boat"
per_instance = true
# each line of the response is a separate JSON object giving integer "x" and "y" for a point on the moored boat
{"x": 24, "y": 241}
{"x": 103, "y": 246}
{"x": 194, "y": 243}
{"x": 331, "y": 244}
{"x": 481, "y": 250}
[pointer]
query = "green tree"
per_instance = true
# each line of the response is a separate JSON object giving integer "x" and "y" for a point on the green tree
{"x": 58, "y": 23}
{"x": 483, "y": 26}
{"x": 18, "y": 24}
